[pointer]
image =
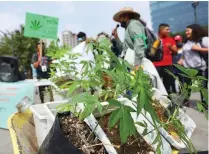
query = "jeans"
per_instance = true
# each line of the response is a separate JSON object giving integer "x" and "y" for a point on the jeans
{"x": 167, "y": 78}
{"x": 42, "y": 93}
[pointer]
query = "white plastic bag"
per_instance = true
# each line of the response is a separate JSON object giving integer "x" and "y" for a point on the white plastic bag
{"x": 149, "y": 138}
{"x": 186, "y": 121}
{"x": 148, "y": 67}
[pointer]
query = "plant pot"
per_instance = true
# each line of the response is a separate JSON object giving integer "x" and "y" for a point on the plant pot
{"x": 90, "y": 121}
{"x": 42, "y": 116}
{"x": 165, "y": 148}
{"x": 51, "y": 111}
{"x": 186, "y": 121}
{"x": 149, "y": 138}
{"x": 189, "y": 126}
{"x": 40, "y": 120}
{"x": 56, "y": 142}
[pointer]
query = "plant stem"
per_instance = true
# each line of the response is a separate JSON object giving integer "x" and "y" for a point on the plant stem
{"x": 155, "y": 127}
{"x": 116, "y": 146}
{"x": 97, "y": 124}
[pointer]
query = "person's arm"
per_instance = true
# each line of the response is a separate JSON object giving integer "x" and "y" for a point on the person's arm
{"x": 174, "y": 49}
{"x": 137, "y": 34}
{"x": 172, "y": 46}
{"x": 36, "y": 61}
{"x": 199, "y": 49}
{"x": 180, "y": 62}
{"x": 118, "y": 43}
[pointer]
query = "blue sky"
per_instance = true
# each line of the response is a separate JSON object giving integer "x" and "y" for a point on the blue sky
{"x": 91, "y": 17}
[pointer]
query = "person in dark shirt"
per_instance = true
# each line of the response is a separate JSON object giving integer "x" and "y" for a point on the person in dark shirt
{"x": 41, "y": 64}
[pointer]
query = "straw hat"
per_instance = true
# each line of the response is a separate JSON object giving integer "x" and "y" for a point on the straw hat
{"x": 124, "y": 10}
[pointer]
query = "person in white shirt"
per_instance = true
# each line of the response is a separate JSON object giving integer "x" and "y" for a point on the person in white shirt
{"x": 192, "y": 54}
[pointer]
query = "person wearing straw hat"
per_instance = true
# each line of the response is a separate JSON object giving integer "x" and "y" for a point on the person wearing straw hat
{"x": 134, "y": 33}
{"x": 135, "y": 39}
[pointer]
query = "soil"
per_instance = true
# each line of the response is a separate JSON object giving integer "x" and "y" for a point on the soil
{"x": 160, "y": 110}
{"x": 78, "y": 132}
{"x": 134, "y": 145}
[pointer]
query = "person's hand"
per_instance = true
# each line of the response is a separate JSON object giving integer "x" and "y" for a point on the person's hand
{"x": 137, "y": 67}
{"x": 168, "y": 45}
{"x": 115, "y": 33}
{"x": 195, "y": 47}
{"x": 180, "y": 62}
{"x": 39, "y": 60}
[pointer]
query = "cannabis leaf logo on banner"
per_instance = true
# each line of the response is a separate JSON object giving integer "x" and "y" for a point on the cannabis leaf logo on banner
{"x": 35, "y": 25}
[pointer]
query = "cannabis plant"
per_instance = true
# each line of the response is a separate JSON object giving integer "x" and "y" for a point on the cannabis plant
{"x": 92, "y": 81}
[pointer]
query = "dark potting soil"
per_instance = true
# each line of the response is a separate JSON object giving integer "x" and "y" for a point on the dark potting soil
{"x": 78, "y": 132}
{"x": 134, "y": 145}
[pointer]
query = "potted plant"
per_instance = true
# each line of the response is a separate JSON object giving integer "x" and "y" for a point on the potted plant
{"x": 120, "y": 122}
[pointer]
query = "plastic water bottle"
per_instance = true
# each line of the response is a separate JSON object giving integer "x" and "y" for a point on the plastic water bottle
{"x": 25, "y": 103}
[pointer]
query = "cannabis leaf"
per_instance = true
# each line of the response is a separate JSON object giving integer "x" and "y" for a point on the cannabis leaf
{"x": 73, "y": 87}
{"x": 190, "y": 72}
{"x": 123, "y": 117}
{"x": 35, "y": 25}
{"x": 90, "y": 102}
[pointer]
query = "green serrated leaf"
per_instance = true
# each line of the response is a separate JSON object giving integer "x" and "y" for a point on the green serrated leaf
{"x": 201, "y": 78}
{"x": 99, "y": 107}
{"x": 89, "y": 108}
{"x": 128, "y": 109}
{"x": 123, "y": 130}
{"x": 142, "y": 100}
{"x": 158, "y": 148}
{"x": 64, "y": 107}
{"x": 114, "y": 118}
{"x": 205, "y": 94}
{"x": 73, "y": 87}
{"x": 144, "y": 133}
{"x": 199, "y": 106}
{"x": 205, "y": 113}
{"x": 140, "y": 124}
{"x": 170, "y": 73}
{"x": 156, "y": 140}
{"x": 114, "y": 102}
{"x": 117, "y": 90}
{"x": 187, "y": 71}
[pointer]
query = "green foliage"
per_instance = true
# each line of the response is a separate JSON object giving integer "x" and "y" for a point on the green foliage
{"x": 92, "y": 77}
{"x": 23, "y": 47}
{"x": 122, "y": 117}
{"x": 90, "y": 102}
{"x": 196, "y": 86}
{"x": 182, "y": 33}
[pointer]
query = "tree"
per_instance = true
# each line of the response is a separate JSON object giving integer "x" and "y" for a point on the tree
{"x": 22, "y": 47}
{"x": 182, "y": 33}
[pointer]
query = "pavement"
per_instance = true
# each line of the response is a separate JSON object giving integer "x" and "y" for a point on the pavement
{"x": 199, "y": 137}
{"x": 5, "y": 143}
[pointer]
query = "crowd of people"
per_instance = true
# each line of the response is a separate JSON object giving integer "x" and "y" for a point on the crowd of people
{"x": 190, "y": 52}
